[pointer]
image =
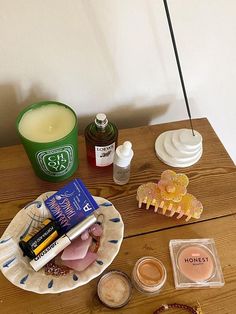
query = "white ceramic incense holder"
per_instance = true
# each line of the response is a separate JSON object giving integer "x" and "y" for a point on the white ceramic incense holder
{"x": 179, "y": 148}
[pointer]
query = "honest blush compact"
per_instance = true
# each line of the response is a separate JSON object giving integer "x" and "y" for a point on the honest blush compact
{"x": 195, "y": 263}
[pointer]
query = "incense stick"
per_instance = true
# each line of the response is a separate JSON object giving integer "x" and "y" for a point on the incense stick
{"x": 178, "y": 63}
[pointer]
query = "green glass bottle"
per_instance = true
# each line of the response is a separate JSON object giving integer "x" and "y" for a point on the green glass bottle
{"x": 101, "y": 141}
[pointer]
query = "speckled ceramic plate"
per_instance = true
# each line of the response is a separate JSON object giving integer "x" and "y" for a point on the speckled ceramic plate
{"x": 16, "y": 268}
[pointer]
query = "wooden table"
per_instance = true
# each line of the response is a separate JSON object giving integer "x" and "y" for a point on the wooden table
{"x": 212, "y": 180}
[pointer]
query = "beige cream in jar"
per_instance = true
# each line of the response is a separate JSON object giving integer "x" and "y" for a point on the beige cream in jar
{"x": 114, "y": 289}
{"x": 149, "y": 275}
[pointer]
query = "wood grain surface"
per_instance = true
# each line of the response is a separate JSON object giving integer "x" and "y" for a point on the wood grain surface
{"x": 84, "y": 300}
{"x": 212, "y": 181}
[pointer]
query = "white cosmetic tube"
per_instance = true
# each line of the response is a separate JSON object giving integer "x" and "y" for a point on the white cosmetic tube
{"x": 60, "y": 244}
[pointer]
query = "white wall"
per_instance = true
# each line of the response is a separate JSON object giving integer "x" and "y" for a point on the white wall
{"x": 116, "y": 56}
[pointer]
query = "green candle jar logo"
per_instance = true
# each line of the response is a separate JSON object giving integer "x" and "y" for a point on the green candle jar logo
{"x": 57, "y": 161}
{"x": 49, "y": 133}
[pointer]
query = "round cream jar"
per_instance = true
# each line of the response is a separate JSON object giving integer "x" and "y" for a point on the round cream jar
{"x": 114, "y": 289}
{"x": 149, "y": 275}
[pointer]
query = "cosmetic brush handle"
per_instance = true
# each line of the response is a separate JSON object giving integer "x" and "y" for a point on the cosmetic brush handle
{"x": 50, "y": 252}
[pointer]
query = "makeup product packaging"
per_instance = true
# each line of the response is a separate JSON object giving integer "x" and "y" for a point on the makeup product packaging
{"x": 60, "y": 244}
{"x": 35, "y": 242}
{"x": 71, "y": 204}
{"x": 114, "y": 289}
{"x": 195, "y": 264}
{"x": 149, "y": 275}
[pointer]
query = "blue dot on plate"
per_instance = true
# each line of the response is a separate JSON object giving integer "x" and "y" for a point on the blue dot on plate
{"x": 50, "y": 284}
{"x": 37, "y": 203}
{"x": 106, "y": 204}
{"x": 99, "y": 262}
{"x": 115, "y": 219}
{"x": 23, "y": 280}
{"x": 4, "y": 240}
{"x": 113, "y": 241}
{"x": 7, "y": 263}
{"x": 75, "y": 277}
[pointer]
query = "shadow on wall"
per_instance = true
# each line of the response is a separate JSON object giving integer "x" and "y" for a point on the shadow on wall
{"x": 8, "y": 113}
{"x": 124, "y": 116}
{"x": 99, "y": 37}
{"x": 128, "y": 116}
{"x": 11, "y": 103}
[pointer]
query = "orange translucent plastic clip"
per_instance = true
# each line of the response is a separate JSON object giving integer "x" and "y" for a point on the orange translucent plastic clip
{"x": 169, "y": 196}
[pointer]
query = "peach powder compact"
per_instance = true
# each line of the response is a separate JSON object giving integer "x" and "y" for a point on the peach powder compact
{"x": 195, "y": 263}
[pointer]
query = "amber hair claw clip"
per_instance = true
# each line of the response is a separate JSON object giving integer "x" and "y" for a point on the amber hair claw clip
{"x": 169, "y": 196}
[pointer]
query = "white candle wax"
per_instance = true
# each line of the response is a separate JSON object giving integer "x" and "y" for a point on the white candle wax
{"x": 47, "y": 123}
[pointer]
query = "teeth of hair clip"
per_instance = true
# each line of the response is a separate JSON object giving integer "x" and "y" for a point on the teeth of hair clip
{"x": 172, "y": 212}
{"x": 169, "y": 196}
{"x": 180, "y": 215}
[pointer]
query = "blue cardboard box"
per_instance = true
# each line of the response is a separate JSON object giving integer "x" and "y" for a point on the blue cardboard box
{"x": 71, "y": 204}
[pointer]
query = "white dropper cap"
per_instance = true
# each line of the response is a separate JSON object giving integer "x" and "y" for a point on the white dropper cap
{"x": 124, "y": 154}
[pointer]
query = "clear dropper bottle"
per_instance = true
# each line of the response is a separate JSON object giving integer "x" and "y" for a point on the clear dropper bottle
{"x": 122, "y": 163}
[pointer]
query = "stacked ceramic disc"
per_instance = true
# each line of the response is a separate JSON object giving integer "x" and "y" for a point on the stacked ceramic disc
{"x": 179, "y": 148}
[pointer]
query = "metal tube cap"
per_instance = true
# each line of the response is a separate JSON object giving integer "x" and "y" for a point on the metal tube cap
{"x": 81, "y": 227}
